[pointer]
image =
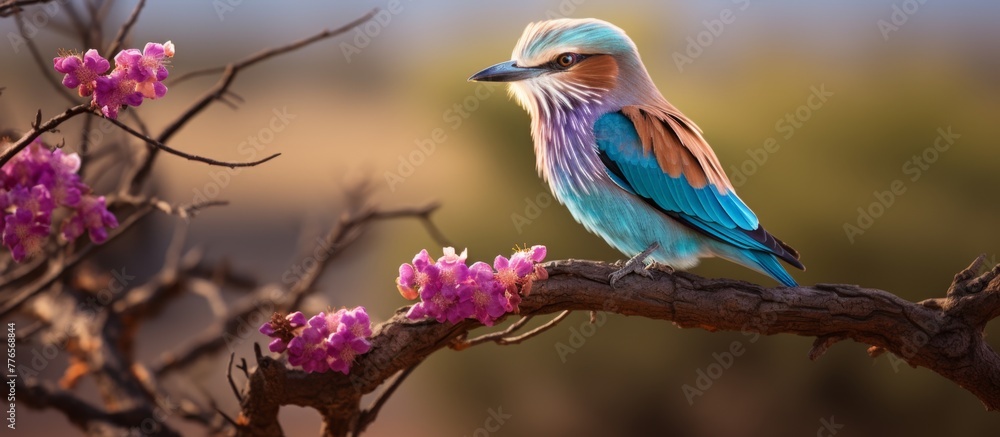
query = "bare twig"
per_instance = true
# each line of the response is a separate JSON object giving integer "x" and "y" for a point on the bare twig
{"x": 116, "y": 43}
{"x": 81, "y": 413}
{"x": 339, "y": 239}
{"x": 59, "y": 267}
{"x": 11, "y": 7}
{"x": 493, "y": 336}
{"x": 534, "y": 332}
{"x": 185, "y": 155}
{"x": 371, "y": 413}
{"x": 39, "y": 128}
{"x": 222, "y": 86}
{"x": 346, "y": 232}
{"x": 229, "y": 377}
{"x": 44, "y": 67}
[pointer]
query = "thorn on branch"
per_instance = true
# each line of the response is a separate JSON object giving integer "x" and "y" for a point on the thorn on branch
{"x": 229, "y": 376}
{"x": 243, "y": 366}
{"x": 258, "y": 355}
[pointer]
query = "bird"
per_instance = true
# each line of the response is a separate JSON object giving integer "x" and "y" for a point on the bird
{"x": 629, "y": 165}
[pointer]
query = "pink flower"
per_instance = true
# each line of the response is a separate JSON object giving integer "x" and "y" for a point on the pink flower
{"x": 136, "y": 75}
{"x": 37, "y": 200}
{"x": 36, "y": 182}
{"x": 451, "y": 291}
{"x": 82, "y": 71}
{"x": 114, "y": 91}
{"x": 349, "y": 340}
{"x": 281, "y": 329}
{"x": 150, "y": 65}
{"x": 92, "y": 216}
{"x": 25, "y": 234}
{"x": 488, "y": 297}
{"x": 327, "y": 341}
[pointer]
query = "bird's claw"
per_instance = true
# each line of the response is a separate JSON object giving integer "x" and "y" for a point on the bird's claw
{"x": 632, "y": 266}
{"x": 637, "y": 264}
{"x": 661, "y": 267}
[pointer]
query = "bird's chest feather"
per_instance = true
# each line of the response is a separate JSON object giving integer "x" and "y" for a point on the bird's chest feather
{"x": 566, "y": 156}
{"x": 568, "y": 160}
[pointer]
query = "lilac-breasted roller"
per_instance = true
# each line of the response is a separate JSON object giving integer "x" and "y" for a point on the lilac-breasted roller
{"x": 629, "y": 165}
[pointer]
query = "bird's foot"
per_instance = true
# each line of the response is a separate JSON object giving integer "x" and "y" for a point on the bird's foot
{"x": 636, "y": 264}
{"x": 661, "y": 267}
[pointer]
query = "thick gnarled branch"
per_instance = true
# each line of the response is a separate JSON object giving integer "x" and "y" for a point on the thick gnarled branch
{"x": 944, "y": 335}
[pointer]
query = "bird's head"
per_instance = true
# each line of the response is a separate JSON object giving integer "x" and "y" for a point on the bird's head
{"x": 565, "y": 64}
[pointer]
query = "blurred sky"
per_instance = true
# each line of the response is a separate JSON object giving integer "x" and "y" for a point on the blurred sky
{"x": 354, "y": 117}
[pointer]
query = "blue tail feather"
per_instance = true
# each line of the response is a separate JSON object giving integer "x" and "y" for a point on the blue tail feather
{"x": 767, "y": 263}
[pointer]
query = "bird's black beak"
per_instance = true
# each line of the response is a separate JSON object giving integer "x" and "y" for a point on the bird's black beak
{"x": 506, "y": 72}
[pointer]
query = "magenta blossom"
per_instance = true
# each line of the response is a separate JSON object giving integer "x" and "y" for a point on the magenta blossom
{"x": 92, "y": 216}
{"x": 488, "y": 297}
{"x": 451, "y": 291}
{"x": 81, "y": 71}
{"x": 280, "y": 328}
{"x": 150, "y": 65}
{"x": 114, "y": 91}
{"x": 137, "y": 75}
{"x": 33, "y": 185}
{"x": 25, "y": 233}
{"x": 326, "y": 341}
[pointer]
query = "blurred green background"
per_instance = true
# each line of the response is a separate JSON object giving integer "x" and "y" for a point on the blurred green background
{"x": 356, "y": 117}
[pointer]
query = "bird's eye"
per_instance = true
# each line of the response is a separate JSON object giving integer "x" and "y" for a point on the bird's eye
{"x": 566, "y": 60}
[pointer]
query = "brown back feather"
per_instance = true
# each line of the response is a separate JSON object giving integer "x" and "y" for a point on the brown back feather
{"x": 678, "y": 145}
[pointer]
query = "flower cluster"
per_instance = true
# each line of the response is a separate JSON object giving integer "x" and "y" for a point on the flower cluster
{"x": 136, "y": 75}
{"x": 33, "y": 184}
{"x": 451, "y": 290}
{"x": 327, "y": 341}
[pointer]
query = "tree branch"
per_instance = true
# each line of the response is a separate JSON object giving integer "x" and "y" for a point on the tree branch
{"x": 38, "y": 128}
{"x": 159, "y": 145}
{"x": 124, "y": 30}
{"x": 221, "y": 87}
{"x": 12, "y": 6}
{"x": 944, "y": 335}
